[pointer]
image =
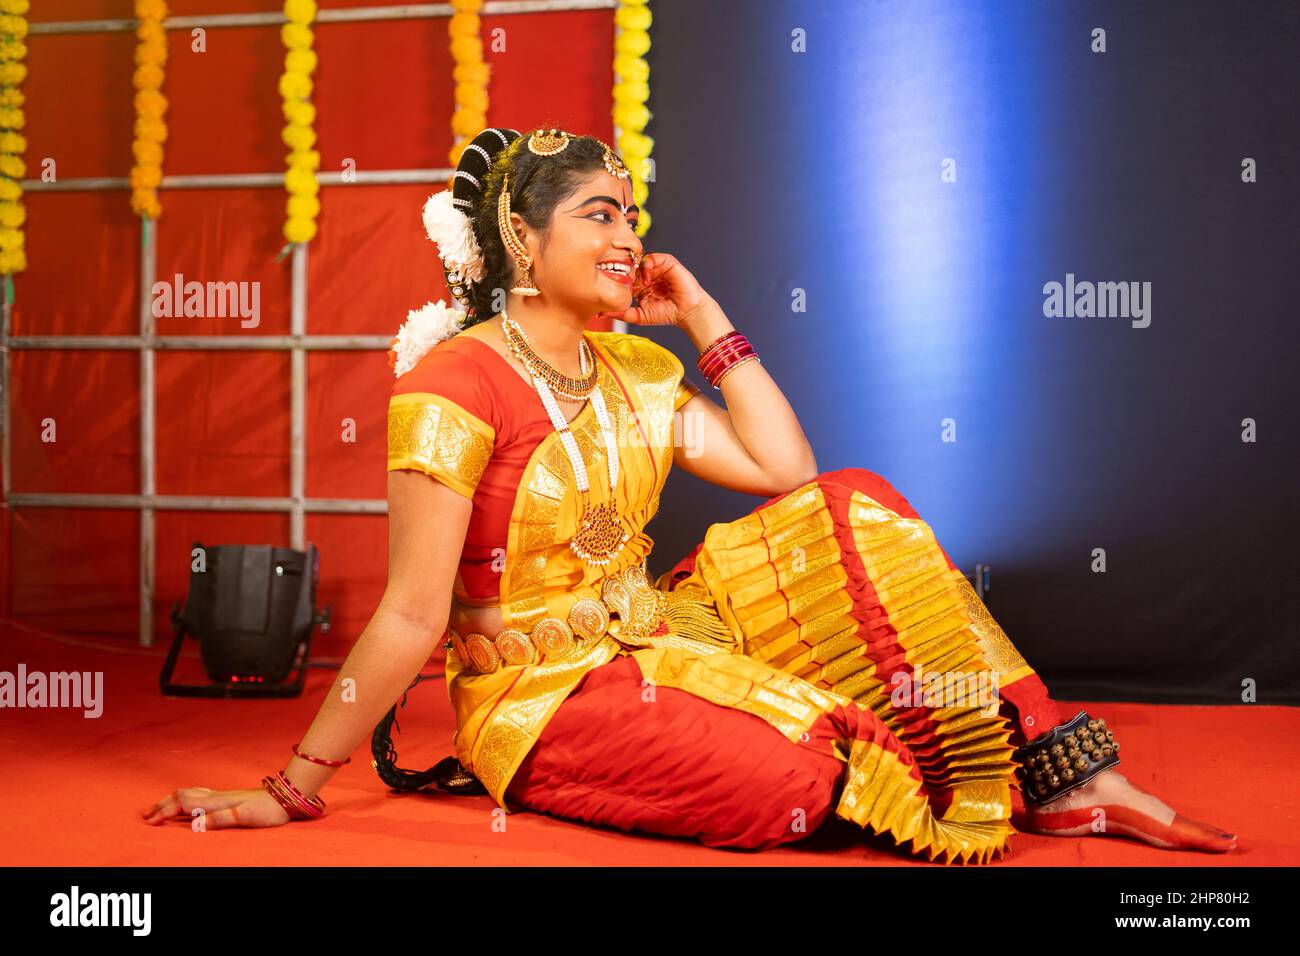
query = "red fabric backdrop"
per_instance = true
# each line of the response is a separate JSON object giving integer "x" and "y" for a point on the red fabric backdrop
{"x": 384, "y": 100}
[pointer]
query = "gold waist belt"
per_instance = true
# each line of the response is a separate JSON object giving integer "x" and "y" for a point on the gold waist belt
{"x": 631, "y": 610}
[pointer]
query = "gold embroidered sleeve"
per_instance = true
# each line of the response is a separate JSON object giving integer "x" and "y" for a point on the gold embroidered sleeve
{"x": 432, "y": 434}
{"x": 686, "y": 390}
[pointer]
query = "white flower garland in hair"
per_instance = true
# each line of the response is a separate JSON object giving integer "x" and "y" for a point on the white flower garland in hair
{"x": 453, "y": 233}
{"x": 424, "y": 328}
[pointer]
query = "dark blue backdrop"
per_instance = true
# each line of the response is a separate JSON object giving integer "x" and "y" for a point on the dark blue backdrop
{"x": 822, "y": 171}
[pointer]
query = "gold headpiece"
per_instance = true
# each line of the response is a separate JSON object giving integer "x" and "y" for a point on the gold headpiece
{"x": 548, "y": 142}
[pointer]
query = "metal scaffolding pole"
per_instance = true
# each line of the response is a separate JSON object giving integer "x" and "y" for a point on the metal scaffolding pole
{"x": 361, "y": 177}
{"x": 148, "y": 268}
{"x": 404, "y": 11}
{"x": 298, "y": 398}
{"x": 148, "y": 342}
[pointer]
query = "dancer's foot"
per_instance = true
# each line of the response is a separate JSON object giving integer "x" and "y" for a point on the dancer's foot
{"x": 1110, "y": 804}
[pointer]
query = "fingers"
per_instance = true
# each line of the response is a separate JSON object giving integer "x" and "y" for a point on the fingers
{"x": 182, "y": 802}
{"x": 225, "y": 818}
{"x": 164, "y": 809}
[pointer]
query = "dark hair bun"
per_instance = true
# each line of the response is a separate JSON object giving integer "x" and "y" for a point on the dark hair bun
{"x": 469, "y": 180}
{"x": 474, "y": 164}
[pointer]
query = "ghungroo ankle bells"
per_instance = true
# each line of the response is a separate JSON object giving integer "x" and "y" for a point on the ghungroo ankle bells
{"x": 1065, "y": 758}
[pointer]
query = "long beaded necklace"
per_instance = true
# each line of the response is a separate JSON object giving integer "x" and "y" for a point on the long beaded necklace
{"x": 601, "y": 534}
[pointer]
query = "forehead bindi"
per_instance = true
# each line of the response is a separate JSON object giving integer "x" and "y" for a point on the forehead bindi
{"x": 596, "y": 200}
{"x": 607, "y": 190}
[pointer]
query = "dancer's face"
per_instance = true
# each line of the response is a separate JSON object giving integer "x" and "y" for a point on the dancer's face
{"x": 595, "y": 224}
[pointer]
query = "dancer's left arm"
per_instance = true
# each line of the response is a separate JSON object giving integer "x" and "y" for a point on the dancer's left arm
{"x": 755, "y": 445}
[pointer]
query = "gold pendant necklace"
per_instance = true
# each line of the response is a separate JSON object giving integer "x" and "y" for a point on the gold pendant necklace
{"x": 601, "y": 534}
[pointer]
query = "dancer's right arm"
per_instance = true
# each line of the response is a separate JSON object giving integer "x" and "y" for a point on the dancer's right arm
{"x": 427, "y": 523}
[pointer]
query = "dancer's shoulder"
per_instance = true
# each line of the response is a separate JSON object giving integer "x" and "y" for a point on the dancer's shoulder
{"x": 452, "y": 375}
{"x": 641, "y": 355}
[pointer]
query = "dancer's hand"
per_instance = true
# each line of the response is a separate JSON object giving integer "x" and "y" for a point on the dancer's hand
{"x": 664, "y": 291}
{"x": 1110, "y": 803}
{"x": 221, "y": 808}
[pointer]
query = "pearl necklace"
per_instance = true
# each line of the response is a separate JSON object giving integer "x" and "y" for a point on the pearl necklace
{"x": 600, "y": 535}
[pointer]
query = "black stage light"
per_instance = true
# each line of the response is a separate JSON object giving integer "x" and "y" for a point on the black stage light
{"x": 252, "y": 608}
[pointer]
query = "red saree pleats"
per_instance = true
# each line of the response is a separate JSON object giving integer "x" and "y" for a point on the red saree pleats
{"x": 840, "y": 584}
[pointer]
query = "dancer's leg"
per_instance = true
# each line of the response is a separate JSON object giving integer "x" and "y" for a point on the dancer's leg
{"x": 1126, "y": 809}
{"x": 660, "y": 760}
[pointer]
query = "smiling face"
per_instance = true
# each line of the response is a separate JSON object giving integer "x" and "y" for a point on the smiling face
{"x": 591, "y": 230}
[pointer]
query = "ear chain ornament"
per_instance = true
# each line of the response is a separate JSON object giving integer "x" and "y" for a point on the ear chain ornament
{"x": 513, "y": 244}
{"x": 601, "y": 534}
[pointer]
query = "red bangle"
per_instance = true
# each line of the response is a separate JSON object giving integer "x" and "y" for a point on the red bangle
{"x": 718, "y": 367}
{"x": 724, "y": 358}
{"x": 721, "y": 354}
{"x": 320, "y": 760}
{"x": 291, "y": 798}
{"x": 721, "y": 342}
{"x": 727, "y": 371}
{"x": 725, "y": 335}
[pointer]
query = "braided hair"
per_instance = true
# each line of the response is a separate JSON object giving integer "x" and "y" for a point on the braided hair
{"x": 537, "y": 185}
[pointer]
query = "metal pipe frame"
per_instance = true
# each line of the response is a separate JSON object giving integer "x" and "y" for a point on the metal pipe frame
{"x": 404, "y": 11}
{"x": 298, "y": 343}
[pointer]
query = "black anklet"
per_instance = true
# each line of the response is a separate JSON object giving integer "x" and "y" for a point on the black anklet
{"x": 1065, "y": 758}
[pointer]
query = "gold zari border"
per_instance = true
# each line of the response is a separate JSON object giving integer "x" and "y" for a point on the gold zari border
{"x": 433, "y": 434}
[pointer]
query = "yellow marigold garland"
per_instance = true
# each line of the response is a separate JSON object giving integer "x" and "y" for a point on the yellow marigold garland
{"x": 470, "y": 75}
{"x": 13, "y": 30}
{"x": 150, "y": 105}
{"x": 631, "y": 93}
{"x": 303, "y": 205}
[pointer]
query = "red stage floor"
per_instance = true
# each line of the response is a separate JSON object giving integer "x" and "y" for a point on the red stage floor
{"x": 74, "y": 786}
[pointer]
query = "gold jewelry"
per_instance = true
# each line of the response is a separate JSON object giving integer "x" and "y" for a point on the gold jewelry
{"x": 563, "y": 385}
{"x": 614, "y": 164}
{"x": 649, "y": 617}
{"x": 512, "y": 242}
{"x": 548, "y": 142}
{"x": 639, "y": 605}
{"x": 601, "y": 533}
